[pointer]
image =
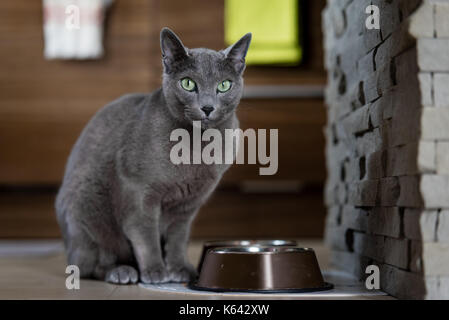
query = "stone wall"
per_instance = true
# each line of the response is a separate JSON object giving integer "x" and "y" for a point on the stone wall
{"x": 387, "y": 149}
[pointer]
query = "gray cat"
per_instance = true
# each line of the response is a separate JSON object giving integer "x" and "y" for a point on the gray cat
{"x": 124, "y": 208}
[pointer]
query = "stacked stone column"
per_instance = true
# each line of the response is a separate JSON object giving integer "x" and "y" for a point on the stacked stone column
{"x": 387, "y": 149}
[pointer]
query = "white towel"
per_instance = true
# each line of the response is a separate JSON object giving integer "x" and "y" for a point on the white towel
{"x": 73, "y": 29}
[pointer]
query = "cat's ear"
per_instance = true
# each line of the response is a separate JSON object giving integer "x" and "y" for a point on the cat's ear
{"x": 237, "y": 52}
{"x": 172, "y": 48}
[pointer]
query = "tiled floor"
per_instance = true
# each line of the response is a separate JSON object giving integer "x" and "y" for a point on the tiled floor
{"x": 35, "y": 270}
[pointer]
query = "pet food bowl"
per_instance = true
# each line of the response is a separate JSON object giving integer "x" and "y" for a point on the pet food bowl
{"x": 261, "y": 270}
{"x": 242, "y": 243}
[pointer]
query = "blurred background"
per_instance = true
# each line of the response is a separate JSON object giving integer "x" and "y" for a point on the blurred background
{"x": 45, "y": 103}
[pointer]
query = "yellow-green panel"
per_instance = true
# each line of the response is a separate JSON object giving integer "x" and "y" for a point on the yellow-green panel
{"x": 274, "y": 25}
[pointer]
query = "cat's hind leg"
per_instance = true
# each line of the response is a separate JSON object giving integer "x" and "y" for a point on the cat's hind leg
{"x": 83, "y": 253}
{"x": 98, "y": 263}
{"x": 86, "y": 248}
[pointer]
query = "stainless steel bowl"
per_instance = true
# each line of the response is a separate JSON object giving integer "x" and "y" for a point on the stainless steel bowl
{"x": 261, "y": 269}
{"x": 242, "y": 243}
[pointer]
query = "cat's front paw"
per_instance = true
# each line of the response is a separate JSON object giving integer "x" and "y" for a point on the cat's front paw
{"x": 182, "y": 273}
{"x": 122, "y": 275}
{"x": 154, "y": 275}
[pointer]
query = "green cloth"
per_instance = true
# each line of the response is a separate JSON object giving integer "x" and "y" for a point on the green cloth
{"x": 274, "y": 25}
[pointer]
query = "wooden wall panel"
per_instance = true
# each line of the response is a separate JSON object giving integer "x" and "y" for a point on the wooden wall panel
{"x": 300, "y": 131}
{"x": 28, "y": 214}
{"x": 45, "y": 104}
{"x": 228, "y": 214}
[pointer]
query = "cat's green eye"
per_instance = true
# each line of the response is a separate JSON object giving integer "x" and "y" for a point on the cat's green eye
{"x": 188, "y": 84}
{"x": 224, "y": 86}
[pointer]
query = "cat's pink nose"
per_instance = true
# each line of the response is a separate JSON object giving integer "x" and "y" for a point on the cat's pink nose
{"x": 207, "y": 110}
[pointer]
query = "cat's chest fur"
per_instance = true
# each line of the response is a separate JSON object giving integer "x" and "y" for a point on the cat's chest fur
{"x": 180, "y": 184}
{"x": 190, "y": 184}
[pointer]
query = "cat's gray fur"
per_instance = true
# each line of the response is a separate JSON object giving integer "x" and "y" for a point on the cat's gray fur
{"x": 124, "y": 209}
